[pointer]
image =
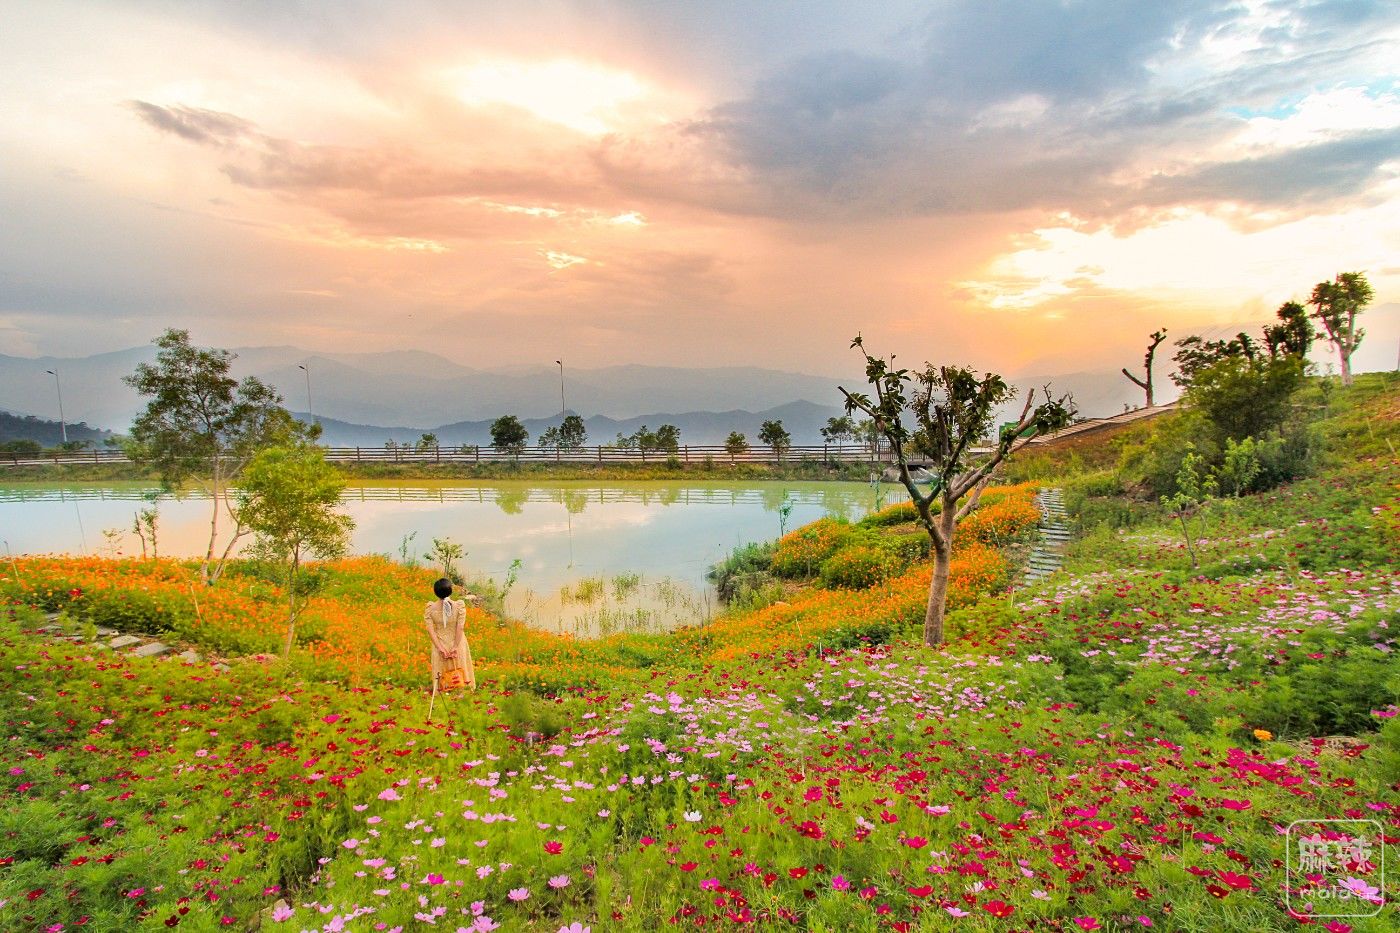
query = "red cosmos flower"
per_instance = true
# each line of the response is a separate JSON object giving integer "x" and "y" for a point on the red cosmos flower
{"x": 553, "y": 847}
{"x": 812, "y": 795}
{"x": 35, "y": 894}
{"x": 922, "y": 891}
{"x": 888, "y": 817}
{"x": 1087, "y": 923}
{"x": 811, "y": 830}
{"x": 796, "y": 873}
{"x": 915, "y": 842}
{"x": 1236, "y": 881}
{"x": 999, "y": 909}
{"x": 1236, "y": 804}
{"x": 1217, "y": 891}
{"x": 688, "y": 866}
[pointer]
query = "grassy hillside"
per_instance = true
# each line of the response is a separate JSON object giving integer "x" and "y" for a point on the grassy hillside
{"x": 1122, "y": 747}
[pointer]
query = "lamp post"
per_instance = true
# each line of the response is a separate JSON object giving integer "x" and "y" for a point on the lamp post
{"x": 62, "y": 423}
{"x": 562, "y": 409}
{"x": 309, "y": 411}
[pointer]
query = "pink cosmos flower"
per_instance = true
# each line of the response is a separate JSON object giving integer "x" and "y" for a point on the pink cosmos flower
{"x": 839, "y": 883}
{"x": 282, "y": 912}
{"x": 518, "y": 894}
{"x": 575, "y": 927}
{"x": 955, "y": 911}
{"x": 389, "y": 794}
{"x": 559, "y": 881}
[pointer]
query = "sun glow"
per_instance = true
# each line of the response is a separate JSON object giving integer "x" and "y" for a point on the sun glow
{"x": 589, "y": 98}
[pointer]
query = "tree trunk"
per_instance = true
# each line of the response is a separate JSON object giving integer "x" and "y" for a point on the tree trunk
{"x": 291, "y": 609}
{"x": 213, "y": 524}
{"x": 937, "y": 597}
{"x": 1346, "y": 367}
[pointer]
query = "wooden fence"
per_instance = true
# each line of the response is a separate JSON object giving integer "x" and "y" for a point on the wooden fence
{"x": 685, "y": 453}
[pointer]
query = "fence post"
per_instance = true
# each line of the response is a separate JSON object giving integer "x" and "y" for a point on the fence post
{"x": 687, "y": 453}
{"x": 600, "y": 453}
{"x": 357, "y": 453}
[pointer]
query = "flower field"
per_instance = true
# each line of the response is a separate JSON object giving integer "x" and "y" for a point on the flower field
{"x": 1123, "y": 747}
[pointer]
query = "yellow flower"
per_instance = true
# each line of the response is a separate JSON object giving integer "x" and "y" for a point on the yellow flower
{"x": 1263, "y": 735}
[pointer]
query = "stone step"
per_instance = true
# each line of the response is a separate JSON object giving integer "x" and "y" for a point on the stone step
{"x": 152, "y": 650}
{"x": 189, "y": 656}
{"x": 124, "y": 641}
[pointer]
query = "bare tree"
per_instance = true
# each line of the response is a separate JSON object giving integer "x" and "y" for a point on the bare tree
{"x": 952, "y": 409}
{"x": 1146, "y": 384}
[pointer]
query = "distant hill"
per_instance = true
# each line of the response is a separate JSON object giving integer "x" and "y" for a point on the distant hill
{"x": 803, "y": 420}
{"x": 16, "y": 427}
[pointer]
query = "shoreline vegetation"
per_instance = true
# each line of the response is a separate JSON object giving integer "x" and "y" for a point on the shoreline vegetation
{"x": 660, "y": 470}
{"x": 1119, "y": 746}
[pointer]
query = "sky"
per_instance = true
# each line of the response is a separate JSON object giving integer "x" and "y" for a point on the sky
{"x": 1020, "y": 186}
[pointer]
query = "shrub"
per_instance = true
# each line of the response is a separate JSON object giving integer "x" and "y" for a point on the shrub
{"x": 898, "y": 514}
{"x": 1006, "y": 519}
{"x": 746, "y": 566}
{"x": 801, "y": 553}
{"x": 858, "y": 568}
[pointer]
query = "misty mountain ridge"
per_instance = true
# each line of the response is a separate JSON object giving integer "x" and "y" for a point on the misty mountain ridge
{"x": 402, "y": 389}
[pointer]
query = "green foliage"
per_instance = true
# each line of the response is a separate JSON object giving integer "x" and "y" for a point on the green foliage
{"x": 1336, "y": 305}
{"x": 736, "y": 443}
{"x": 289, "y": 497}
{"x": 1240, "y": 468}
{"x": 802, "y": 552}
{"x": 1193, "y": 490}
{"x": 775, "y": 435}
{"x": 445, "y": 553}
{"x": 22, "y": 448}
{"x": 745, "y": 566}
{"x": 1240, "y": 397}
{"x": 508, "y": 434}
{"x": 200, "y": 421}
{"x": 570, "y": 434}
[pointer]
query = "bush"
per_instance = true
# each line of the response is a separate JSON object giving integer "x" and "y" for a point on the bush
{"x": 858, "y": 568}
{"x": 1005, "y": 520}
{"x": 898, "y": 514}
{"x": 801, "y": 553}
{"x": 746, "y": 566}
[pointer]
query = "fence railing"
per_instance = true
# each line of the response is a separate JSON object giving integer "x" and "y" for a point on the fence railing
{"x": 685, "y": 453}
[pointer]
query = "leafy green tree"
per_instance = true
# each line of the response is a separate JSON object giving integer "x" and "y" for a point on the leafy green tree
{"x": 1293, "y": 334}
{"x": 736, "y": 443}
{"x": 667, "y": 438}
{"x": 1335, "y": 306}
{"x": 1146, "y": 383}
{"x": 1241, "y": 467}
{"x": 289, "y": 497}
{"x": 952, "y": 408}
{"x": 775, "y": 436}
{"x": 22, "y": 447}
{"x": 202, "y": 425}
{"x": 839, "y": 430}
{"x": 445, "y": 553}
{"x": 1243, "y": 397}
{"x": 427, "y": 441}
{"x": 1194, "y": 354}
{"x": 1193, "y": 491}
{"x": 570, "y": 434}
{"x": 508, "y": 434}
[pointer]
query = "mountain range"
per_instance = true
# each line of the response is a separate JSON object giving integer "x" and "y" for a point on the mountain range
{"x": 367, "y": 398}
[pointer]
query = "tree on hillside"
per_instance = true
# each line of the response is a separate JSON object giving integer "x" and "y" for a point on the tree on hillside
{"x": 1336, "y": 305}
{"x": 1243, "y": 397}
{"x": 508, "y": 434}
{"x": 1293, "y": 334}
{"x": 1195, "y": 353}
{"x": 202, "y": 425}
{"x": 568, "y": 435}
{"x": 775, "y": 436}
{"x": 1146, "y": 384}
{"x": 289, "y": 497}
{"x": 952, "y": 407}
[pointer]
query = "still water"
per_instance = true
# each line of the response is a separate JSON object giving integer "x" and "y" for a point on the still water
{"x": 593, "y": 557}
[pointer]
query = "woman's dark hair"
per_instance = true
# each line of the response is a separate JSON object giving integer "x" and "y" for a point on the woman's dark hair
{"x": 442, "y": 588}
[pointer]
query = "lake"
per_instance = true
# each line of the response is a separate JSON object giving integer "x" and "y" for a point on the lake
{"x": 593, "y": 557}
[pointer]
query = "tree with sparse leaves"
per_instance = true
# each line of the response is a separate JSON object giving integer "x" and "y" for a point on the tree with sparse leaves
{"x": 1146, "y": 384}
{"x": 952, "y": 407}
{"x": 1335, "y": 306}
{"x": 202, "y": 425}
{"x": 838, "y": 431}
{"x": 289, "y": 497}
{"x": 570, "y": 434}
{"x": 735, "y": 444}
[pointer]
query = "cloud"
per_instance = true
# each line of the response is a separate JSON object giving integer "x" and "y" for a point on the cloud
{"x": 201, "y": 126}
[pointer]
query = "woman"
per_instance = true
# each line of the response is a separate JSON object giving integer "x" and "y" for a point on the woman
{"x": 452, "y": 657}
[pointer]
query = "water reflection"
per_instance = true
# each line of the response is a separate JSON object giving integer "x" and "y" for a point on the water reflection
{"x": 564, "y": 534}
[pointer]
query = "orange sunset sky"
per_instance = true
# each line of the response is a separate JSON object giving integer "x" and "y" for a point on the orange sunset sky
{"x": 1030, "y": 186}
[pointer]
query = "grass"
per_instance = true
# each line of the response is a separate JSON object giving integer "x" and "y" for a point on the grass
{"x": 1121, "y": 747}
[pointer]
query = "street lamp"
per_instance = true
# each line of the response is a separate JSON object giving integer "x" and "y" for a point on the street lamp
{"x": 562, "y": 409}
{"x": 62, "y": 423}
{"x": 308, "y": 390}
